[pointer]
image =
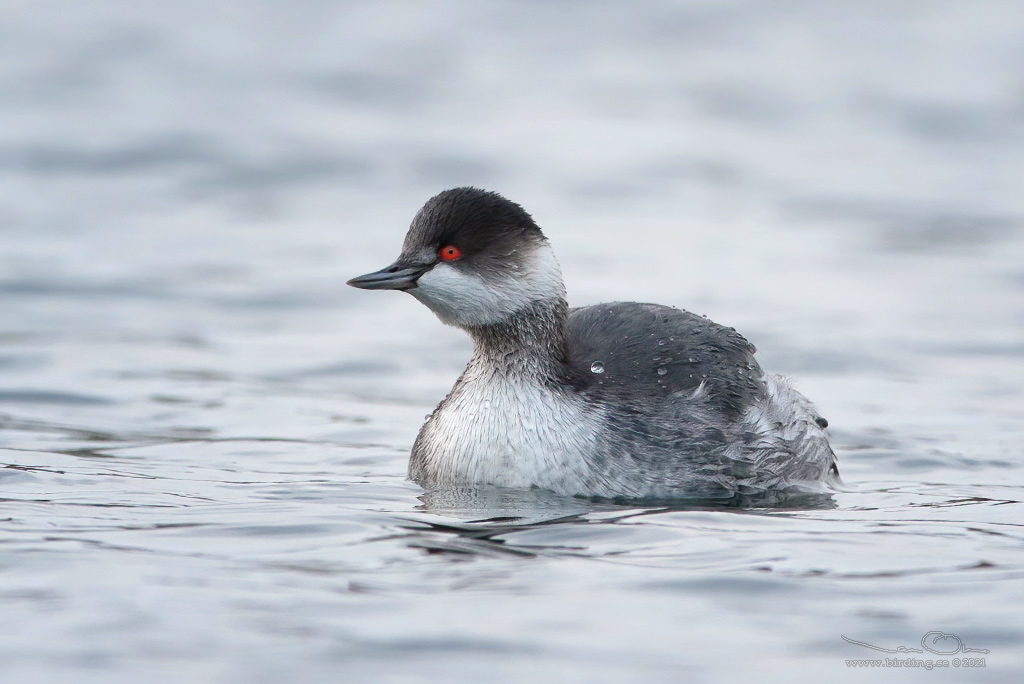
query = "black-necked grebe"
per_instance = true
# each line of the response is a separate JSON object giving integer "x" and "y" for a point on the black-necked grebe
{"x": 622, "y": 400}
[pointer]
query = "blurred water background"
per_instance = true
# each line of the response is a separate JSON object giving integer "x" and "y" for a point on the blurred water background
{"x": 204, "y": 433}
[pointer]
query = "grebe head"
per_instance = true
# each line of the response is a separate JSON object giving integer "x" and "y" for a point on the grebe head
{"x": 474, "y": 258}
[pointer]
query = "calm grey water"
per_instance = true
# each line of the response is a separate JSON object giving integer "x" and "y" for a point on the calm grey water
{"x": 203, "y": 432}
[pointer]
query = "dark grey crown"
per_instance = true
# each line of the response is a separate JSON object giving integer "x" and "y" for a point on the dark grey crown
{"x": 483, "y": 224}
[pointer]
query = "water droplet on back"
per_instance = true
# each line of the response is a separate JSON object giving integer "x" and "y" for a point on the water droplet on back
{"x": 662, "y": 371}
{"x": 597, "y": 367}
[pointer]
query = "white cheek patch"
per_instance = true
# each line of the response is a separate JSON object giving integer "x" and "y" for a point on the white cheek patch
{"x": 467, "y": 299}
{"x": 456, "y": 297}
{"x": 544, "y": 279}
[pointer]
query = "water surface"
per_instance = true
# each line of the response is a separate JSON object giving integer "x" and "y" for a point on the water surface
{"x": 204, "y": 433}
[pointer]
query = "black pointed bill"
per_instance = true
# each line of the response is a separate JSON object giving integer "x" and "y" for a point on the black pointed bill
{"x": 397, "y": 276}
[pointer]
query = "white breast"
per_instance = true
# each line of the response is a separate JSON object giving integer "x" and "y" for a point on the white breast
{"x": 509, "y": 433}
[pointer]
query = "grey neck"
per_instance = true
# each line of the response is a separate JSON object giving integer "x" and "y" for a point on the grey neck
{"x": 531, "y": 341}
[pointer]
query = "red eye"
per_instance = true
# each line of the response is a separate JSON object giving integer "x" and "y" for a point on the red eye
{"x": 449, "y": 253}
